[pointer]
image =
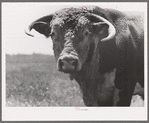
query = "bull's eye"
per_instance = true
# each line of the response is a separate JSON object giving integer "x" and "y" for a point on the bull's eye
{"x": 52, "y": 34}
{"x": 86, "y": 33}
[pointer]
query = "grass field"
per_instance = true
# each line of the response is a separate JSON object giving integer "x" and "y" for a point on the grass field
{"x": 32, "y": 80}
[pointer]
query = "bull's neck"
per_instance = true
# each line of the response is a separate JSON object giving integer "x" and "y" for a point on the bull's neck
{"x": 88, "y": 79}
{"x": 101, "y": 59}
{"x": 92, "y": 79}
{"x": 90, "y": 69}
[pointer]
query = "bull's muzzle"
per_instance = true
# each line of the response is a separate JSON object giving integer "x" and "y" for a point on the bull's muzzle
{"x": 68, "y": 64}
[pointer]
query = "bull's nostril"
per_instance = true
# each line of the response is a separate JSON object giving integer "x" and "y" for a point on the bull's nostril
{"x": 61, "y": 63}
{"x": 74, "y": 63}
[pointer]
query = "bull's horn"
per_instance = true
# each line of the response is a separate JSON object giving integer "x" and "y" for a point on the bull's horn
{"x": 28, "y": 32}
{"x": 111, "y": 29}
{"x": 40, "y": 26}
{"x": 32, "y": 26}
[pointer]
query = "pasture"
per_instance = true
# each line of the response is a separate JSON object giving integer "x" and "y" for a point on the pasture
{"x": 32, "y": 80}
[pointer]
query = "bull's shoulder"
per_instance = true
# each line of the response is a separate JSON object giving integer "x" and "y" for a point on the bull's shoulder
{"x": 136, "y": 15}
{"x": 123, "y": 21}
{"x": 135, "y": 22}
{"x": 115, "y": 15}
{"x": 129, "y": 27}
{"x": 120, "y": 17}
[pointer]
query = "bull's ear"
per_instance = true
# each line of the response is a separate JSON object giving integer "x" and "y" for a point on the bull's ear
{"x": 101, "y": 22}
{"x": 41, "y": 25}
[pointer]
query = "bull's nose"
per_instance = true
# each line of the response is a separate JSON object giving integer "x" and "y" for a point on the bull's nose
{"x": 67, "y": 64}
{"x": 64, "y": 62}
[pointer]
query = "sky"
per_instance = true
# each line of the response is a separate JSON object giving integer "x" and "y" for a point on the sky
{"x": 17, "y": 16}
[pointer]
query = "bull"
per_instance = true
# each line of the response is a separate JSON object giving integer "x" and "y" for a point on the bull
{"x": 102, "y": 49}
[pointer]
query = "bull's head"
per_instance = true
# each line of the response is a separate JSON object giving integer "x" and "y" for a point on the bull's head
{"x": 72, "y": 36}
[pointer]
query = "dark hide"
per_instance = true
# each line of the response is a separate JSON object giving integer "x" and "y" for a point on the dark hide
{"x": 102, "y": 67}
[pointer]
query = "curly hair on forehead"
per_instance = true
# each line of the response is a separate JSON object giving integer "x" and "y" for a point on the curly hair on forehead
{"x": 70, "y": 16}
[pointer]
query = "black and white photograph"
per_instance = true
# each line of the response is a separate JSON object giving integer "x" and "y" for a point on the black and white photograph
{"x": 74, "y": 61}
